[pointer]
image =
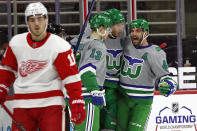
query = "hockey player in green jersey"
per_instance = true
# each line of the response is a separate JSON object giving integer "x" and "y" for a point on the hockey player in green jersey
{"x": 92, "y": 68}
{"x": 113, "y": 59}
{"x": 143, "y": 65}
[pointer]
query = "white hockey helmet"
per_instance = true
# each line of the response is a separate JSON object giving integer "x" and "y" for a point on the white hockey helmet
{"x": 34, "y": 9}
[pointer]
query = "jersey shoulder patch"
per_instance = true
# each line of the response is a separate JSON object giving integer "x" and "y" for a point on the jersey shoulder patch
{"x": 158, "y": 48}
{"x": 165, "y": 65}
{"x": 145, "y": 56}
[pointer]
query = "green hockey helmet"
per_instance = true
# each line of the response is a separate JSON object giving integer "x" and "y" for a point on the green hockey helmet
{"x": 140, "y": 23}
{"x": 100, "y": 20}
{"x": 115, "y": 15}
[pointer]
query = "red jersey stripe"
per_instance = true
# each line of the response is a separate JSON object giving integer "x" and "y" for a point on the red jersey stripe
{"x": 39, "y": 95}
{"x": 180, "y": 92}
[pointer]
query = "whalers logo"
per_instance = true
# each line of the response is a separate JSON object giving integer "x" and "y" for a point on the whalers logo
{"x": 134, "y": 67}
{"x": 114, "y": 52}
{"x": 113, "y": 59}
{"x": 30, "y": 66}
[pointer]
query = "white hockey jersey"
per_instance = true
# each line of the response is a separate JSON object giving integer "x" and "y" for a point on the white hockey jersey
{"x": 40, "y": 71}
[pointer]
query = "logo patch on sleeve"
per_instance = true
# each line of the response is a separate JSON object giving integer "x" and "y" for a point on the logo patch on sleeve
{"x": 144, "y": 57}
{"x": 158, "y": 48}
{"x": 165, "y": 65}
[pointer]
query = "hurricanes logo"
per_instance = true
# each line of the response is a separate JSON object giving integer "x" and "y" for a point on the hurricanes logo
{"x": 30, "y": 66}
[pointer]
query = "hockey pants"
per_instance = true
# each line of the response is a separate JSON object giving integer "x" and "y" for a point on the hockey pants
{"x": 109, "y": 112}
{"x": 51, "y": 118}
{"x": 132, "y": 116}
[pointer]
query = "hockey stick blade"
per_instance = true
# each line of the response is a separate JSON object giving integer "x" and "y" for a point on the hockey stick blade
{"x": 11, "y": 115}
{"x": 84, "y": 25}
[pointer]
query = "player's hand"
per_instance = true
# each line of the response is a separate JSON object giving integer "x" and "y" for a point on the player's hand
{"x": 167, "y": 86}
{"x": 98, "y": 97}
{"x": 78, "y": 112}
{"x": 3, "y": 93}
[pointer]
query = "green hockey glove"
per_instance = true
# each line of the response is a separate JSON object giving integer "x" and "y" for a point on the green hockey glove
{"x": 167, "y": 86}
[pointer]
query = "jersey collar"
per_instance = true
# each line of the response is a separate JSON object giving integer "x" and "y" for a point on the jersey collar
{"x": 142, "y": 47}
{"x": 34, "y": 44}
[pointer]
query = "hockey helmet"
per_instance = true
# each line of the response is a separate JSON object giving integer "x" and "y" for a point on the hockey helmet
{"x": 100, "y": 20}
{"x": 34, "y": 9}
{"x": 115, "y": 15}
{"x": 55, "y": 29}
{"x": 140, "y": 23}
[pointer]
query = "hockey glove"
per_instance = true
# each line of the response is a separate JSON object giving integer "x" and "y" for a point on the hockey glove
{"x": 98, "y": 97}
{"x": 3, "y": 93}
{"x": 167, "y": 86}
{"x": 78, "y": 112}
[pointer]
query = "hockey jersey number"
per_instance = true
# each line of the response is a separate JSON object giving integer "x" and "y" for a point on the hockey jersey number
{"x": 71, "y": 59}
{"x": 96, "y": 54}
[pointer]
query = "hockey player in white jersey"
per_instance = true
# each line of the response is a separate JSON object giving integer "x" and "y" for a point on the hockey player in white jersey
{"x": 40, "y": 64}
{"x": 143, "y": 65}
{"x": 92, "y": 67}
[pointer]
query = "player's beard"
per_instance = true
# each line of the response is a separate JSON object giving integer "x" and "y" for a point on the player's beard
{"x": 138, "y": 43}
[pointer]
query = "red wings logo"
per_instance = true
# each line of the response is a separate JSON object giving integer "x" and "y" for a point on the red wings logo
{"x": 30, "y": 66}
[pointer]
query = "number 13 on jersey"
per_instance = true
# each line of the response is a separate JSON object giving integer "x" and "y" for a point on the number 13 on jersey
{"x": 96, "y": 54}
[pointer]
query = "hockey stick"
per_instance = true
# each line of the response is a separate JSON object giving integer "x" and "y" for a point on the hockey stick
{"x": 11, "y": 115}
{"x": 67, "y": 119}
{"x": 84, "y": 25}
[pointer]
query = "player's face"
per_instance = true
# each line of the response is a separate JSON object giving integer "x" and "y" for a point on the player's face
{"x": 136, "y": 35}
{"x": 117, "y": 29}
{"x": 37, "y": 24}
{"x": 108, "y": 30}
